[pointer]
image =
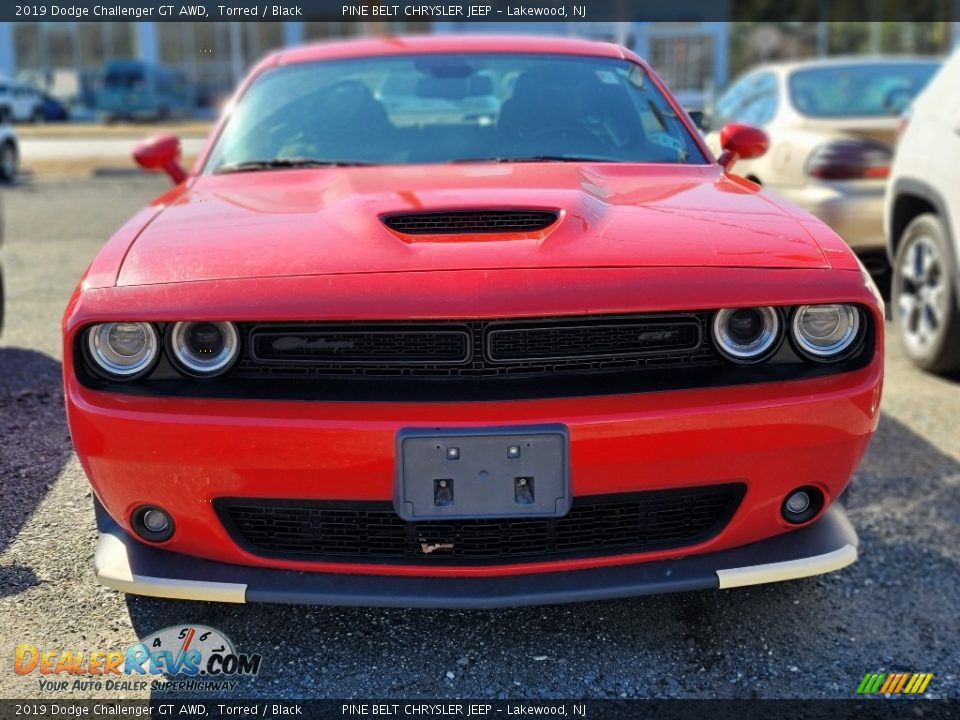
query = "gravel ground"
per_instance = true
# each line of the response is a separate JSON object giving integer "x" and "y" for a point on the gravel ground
{"x": 896, "y": 609}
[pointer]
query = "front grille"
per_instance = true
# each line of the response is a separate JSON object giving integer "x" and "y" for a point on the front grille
{"x": 470, "y": 221}
{"x": 334, "y": 347}
{"x": 629, "y": 337}
{"x": 481, "y": 348}
{"x": 373, "y": 532}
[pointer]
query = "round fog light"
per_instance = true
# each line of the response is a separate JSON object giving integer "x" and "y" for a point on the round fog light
{"x": 798, "y": 502}
{"x": 152, "y": 523}
{"x": 801, "y": 505}
{"x": 155, "y": 521}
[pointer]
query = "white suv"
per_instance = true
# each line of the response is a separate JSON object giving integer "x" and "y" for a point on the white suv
{"x": 922, "y": 222}
{"x": 19, "y": 102}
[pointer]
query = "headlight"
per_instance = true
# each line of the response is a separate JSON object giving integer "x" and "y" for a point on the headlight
{"x": 204, "y": 349}
{"x": 825, "y": 332}
{"x": 123, "y": 350}
{"x": 747, "y": 335}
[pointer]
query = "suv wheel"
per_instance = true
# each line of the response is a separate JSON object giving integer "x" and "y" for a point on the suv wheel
{"x": 8, "y": 162}
{"x": 924, "y": 302}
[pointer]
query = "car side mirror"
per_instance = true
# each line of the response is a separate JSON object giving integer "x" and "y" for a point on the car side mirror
{"x": 161, "y": 153}
{"x": 740, "y": 141}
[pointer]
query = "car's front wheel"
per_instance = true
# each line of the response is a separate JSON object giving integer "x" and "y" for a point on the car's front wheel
{"x": 8, "y": 161}
{"x": 924, "y": 302}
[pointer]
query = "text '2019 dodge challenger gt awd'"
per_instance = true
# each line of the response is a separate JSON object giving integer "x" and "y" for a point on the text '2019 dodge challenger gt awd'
{"x": 467, "y": 322}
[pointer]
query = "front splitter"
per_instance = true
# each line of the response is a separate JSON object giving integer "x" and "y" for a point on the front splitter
{"x": 125, "y": 564}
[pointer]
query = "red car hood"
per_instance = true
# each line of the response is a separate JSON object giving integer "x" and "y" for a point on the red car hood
{"x": 327, "y": 222}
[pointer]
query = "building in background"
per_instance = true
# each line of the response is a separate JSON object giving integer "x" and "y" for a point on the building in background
{"x": 695, "y": 58}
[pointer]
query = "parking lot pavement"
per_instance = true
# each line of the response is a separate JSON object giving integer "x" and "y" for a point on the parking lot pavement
{"x": 896, "y": 609}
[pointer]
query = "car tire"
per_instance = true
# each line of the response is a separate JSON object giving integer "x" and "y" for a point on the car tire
{"x": 5, "y": 116}
{"x": 8, "y": 161}
{"x": 37, "y": 116}
{"x": 924, "y": 296}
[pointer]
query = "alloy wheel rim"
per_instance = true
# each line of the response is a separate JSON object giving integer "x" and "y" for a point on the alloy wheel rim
{"x": 922, "y": 297}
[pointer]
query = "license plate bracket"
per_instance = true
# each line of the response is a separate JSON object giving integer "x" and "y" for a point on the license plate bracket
{"x": 476, "y": 473}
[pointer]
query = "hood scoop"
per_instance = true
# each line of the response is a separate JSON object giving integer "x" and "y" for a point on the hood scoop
{"x": 471, "y": 222}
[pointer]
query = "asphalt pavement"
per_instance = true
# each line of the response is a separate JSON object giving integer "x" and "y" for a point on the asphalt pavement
{"x": 894, "y": 610}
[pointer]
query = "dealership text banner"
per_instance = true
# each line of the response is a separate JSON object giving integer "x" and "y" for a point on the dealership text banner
{"x": 491, "y": 10}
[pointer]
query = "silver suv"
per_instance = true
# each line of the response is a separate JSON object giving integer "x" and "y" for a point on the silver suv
{"x": 922, "y": 222}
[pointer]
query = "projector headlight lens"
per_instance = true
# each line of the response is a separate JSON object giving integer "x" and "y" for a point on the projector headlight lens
{"x": 826, "y": 332}
{"x": 123, "y": 350}
{"x": 204, "y": 349}
{"x": 747, "y": 335}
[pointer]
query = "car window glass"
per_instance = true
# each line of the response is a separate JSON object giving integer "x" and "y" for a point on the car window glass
{"x": 852, "y": 90}
{"x": 729, "y": 102}
{"x": 752, "y": 100}
{"x": 456, "y": 108}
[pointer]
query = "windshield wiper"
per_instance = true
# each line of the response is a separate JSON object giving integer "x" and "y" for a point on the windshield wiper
{"x": 286, "y": 163}
{"x": 535, "y": 159}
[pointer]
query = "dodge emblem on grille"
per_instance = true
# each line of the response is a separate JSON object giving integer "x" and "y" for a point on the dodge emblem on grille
{"x": 299, "y": 343}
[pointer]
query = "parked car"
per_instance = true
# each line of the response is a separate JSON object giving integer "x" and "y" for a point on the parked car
{"x": 923, "y": 225}
{"x": 137, "y": 90}
{"x": 831, "y": 125}
{"x": 562, "y": 356}
{"x": 9, "y": 154}
{"x": 19, "y": 102}
{"x": 53, "y": 109}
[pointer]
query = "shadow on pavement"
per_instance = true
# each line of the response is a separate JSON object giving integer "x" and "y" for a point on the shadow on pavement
{"x": 34, "y": 441}
{"x": 807, "y": 638}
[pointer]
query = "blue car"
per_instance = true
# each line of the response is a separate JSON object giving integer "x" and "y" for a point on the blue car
{"x": 136, "y": 90}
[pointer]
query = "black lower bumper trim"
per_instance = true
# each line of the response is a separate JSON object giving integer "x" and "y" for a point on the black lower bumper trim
{"x": 151, "y": 571}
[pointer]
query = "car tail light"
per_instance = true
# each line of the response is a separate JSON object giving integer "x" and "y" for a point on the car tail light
{"x": 850, "y": 160}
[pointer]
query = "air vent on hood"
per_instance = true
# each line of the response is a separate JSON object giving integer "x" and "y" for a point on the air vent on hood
{"x": 470, "y": 221}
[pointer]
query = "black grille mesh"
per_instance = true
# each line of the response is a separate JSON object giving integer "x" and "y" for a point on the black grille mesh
{"x": 624, "y": 338}
{"x": 372, "y": 531}
{"x": 470, "y": 221}
{"x": 333, "y": 347}
{"x": 544, "y": 347}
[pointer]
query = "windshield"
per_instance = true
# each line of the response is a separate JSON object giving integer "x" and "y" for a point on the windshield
{"x": 452, "y": 108}
{"x": 875, "y": 89}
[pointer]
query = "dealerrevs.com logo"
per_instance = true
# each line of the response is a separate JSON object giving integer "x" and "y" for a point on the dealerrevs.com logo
{"x": 190, "y": 657}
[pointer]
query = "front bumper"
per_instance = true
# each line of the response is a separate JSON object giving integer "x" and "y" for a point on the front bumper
{"x": 124, "y": 564}
{"x": 183, "y": 455}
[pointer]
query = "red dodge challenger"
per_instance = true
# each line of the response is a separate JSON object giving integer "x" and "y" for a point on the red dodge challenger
{"x": 467, "y": 322}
